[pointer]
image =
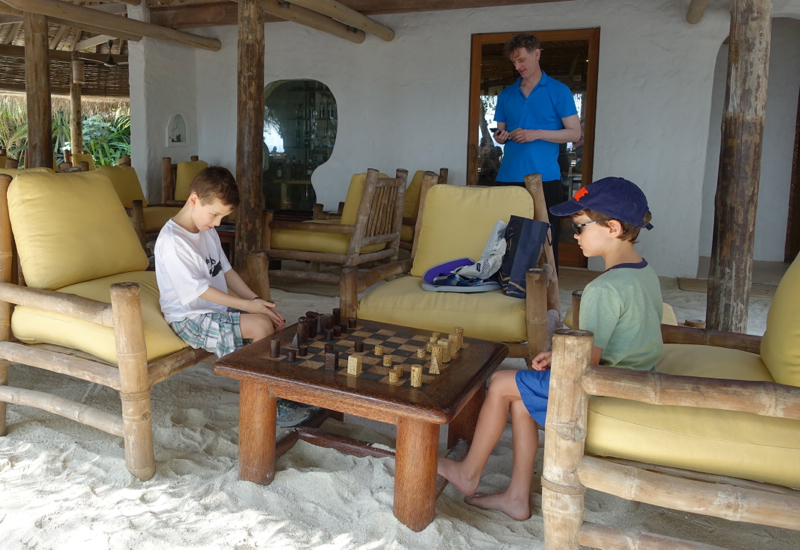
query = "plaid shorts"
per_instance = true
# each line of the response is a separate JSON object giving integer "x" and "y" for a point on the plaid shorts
{"x": 218, "y": 333}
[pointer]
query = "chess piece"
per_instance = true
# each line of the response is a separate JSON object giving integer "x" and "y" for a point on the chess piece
{"x": 313, "y": 321}
{"x": 302, "y": 351}
{"x": 399, "y": 370}
{"x": 378, "y": 350}
{"x": 275, "y": 348}
{"x": 328, "y": 347}
{"x": 454, "y": 343}
{"x": 436, "y": 335}
{"x": 416, "y": 376}
{"x": 325, "y": 321}
{"x": 446, "y": 347}
{"x": 337, "y": 316}
{"x": 460, "y": 333}
{"x": 351, "y": 323}
{"x": 302, "y": 330}
{"x": 354, "y": 365}
{"x": 328, "y": 334}
{"x": 291, "y": 355}
{"x": 434, "y": 368}
{"x": 343, "y": 327}
{"x": 393, "y": 378}
{"x": 420, "y": 353}
{"x": 331, "y": 360}
{"x": 337, "y": 331}
{"x": 428, "y": 346}
{"x": 387, "y": 360}
{"x": 437, "y": 354}
{"x": 359, "y": 347}
{"x": 294, "y": 343}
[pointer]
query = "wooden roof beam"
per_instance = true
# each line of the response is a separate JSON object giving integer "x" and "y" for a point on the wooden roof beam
{"x": 93, "y": 41}
{"x": 111, "y": 24}
{"x": 62, "y": 29}
{"x": 58, "y": 55}
{"x": 695, "y": 11}
{"x": 4, "y": 8}
{"x": 348, "y": 16}
{"x": 302, "y": 16}
{"x": 12, "y": 33}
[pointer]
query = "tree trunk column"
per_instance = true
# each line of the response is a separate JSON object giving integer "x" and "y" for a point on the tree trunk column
{"x": 250, "y": 131}
{"x": 735, "y": 205}
{"x": 76, "y": 114}
{"x": 37, "y": 88}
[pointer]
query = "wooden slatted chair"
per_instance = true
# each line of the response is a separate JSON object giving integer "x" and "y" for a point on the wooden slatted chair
{"x": 368, "y": 231}
{"x": 89, "y": 310}
{"x": 412, "y": 206}
{"x": 715, "y": 431}
{"x": 176, "y": 179}
{"x": 454, "y": 222}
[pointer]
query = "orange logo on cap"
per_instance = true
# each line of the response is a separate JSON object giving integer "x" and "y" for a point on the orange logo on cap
{"x": 580, "y": 194}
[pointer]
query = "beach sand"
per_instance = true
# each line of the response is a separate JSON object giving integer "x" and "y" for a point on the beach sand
{"x": 64, "y": 485}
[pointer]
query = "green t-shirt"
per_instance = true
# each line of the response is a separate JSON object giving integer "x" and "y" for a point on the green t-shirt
{"x": 623, "y": 308}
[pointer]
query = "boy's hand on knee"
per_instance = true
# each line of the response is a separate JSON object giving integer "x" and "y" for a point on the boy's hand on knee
{"x": 259, "y": 305}
{"x": 542, "y": 361}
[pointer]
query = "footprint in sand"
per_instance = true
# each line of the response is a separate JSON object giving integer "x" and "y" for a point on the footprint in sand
{"x": 149, "y": 497}
{"x": 191, "y": 418}
{"x": 182, "y": 467}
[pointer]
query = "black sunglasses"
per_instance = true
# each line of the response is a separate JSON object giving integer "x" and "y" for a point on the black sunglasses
{"x": 577, "y": 227}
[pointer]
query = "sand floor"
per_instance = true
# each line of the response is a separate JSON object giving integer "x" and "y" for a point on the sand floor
{"x": 64, "y": 485}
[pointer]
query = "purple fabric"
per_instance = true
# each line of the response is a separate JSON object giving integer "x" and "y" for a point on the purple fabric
{"x": 445, "y": 269}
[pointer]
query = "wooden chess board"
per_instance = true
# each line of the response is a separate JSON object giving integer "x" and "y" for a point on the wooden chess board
{"x": 402, "y": 346}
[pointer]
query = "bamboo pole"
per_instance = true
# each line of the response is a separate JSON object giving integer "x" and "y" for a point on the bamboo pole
{"x": 762, "y": 398}
{"x": 76, "y": 114}
{"x": 61, "y": 363}
{"x": 686, "y": 335}
{"x": 565, "y": 433}
{"x": 576, "y": 309}
{"x": 112, "y": 23}
{"x": 302, "y": 16}
{"x": 6, "y": 274}
{"x": 315, "y": 227}
{"x": 533, "y": 183}
{"x": 731, "y": 272}
{"x": 710, "y": 499}
{"x": 258, "y": 273}
{"x": 37, "y": 89}
{"x": 167, "y": 184}
{"x": 249, "y": 132}
{"x": 348, "y": 16}
{"x": 164, "y": 368}
{"x": 109, "y": 423}
{"x": 429, "y": 179}
{"x": 134, "y": 380}
{"x": 348, "y": 292}
{"x": 138, "y": 221}
{"x": 695, "y": 11}
{"x": 59, "y": 302}
{"x": 601, "y": 536}
{"x": 536, "y": 311}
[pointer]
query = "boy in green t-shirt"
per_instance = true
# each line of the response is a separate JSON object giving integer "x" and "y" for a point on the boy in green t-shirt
{"x": 622, "y": 307}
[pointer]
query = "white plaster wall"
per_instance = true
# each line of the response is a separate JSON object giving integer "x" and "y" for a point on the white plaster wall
{"x": 405, "y": 103}
{"x": 778, "y": 143}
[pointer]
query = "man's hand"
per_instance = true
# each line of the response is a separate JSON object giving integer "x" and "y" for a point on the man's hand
{"x": 264, "y": 307}
{"x": 521, "y": 135}
{"x": 542, "y": 361}
{"x": 500, "y": 136}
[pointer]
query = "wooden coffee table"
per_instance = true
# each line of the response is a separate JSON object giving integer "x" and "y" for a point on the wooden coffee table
{"x": 453, "y": 397}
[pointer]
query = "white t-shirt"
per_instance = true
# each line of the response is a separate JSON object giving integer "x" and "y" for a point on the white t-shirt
{"x": 187, "y": 264}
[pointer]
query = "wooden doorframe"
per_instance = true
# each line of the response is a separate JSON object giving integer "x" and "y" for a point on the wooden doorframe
{"x": 478, "y": 40}
{"x": 792, "y": 247}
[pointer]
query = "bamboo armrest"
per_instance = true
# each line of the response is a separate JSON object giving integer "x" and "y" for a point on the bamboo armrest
{"x": 762, "y": 398}
{"x": 314, "y": 227}
{"x": 59, "y": 302}
{"x": 384, "y": 272}
{"x": 171, "y": 202}
{"x": 319, "y": 214}
{"x": 706, "y": 337}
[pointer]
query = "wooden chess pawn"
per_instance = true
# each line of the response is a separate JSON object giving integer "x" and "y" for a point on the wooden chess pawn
{"x": 359, "y": 347}
{"x": 436, "y": 335}
{"x": 437, "y": 357}
{"x": 328, "y": 347}
{"x": 313, "y": 320}
{"x": 399, "y": 370}
{"x": 351, "y": 322}
{"x": 331, "y": 360}
{"x": 387, "y": 360}
{"x": 302, "y": 330}
{"x": 434, "y": 368}
{"x": 337, "y": 315}
{"x": 328, "y": 334}
{"x": 455, "y": 346}
{"x": 421, "y": 353}
{"x": 393, "y": 377}
{"x": 325, "y": 322}
{"x": 275, "y": 348}
{"x": 302, "y": 351}
{"x": 416, "y": 376}
{"x": 378, "y": 350}
{"x": 291, "y": 355}
{"x": 337, "y": 331}
{"x": 354, "y": 365}
{"x": 446, "y": 348}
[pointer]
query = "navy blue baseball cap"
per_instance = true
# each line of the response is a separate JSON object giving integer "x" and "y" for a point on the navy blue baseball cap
{"x": 617, "y": 198}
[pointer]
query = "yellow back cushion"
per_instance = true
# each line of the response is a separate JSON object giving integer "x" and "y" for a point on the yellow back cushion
{"x": 186, "y": 173}
{"x": 126, "y": 184}
{"x": 71, "y": 228}
{"x": 780, "y": 348}
{"x": 411, "y": 206}
{"x": 353, "y": 200}
{"x": 457, "y": 221}
{"x": 78, "y": 158}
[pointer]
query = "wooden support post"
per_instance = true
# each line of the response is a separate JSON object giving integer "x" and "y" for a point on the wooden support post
{"x": 565, "y": 435}
{"x": 348, "y": 292}
{"x": 138, "y": 221}
{"x": 415, "y": 473}
{"x": 6, "y": 274}
{"x": 731, "y": 271}
{"x": 167, "y": 185}
{"x": 37, "y": 89}
{"x": 249, "y": 132}
{"x": 75, "y": 112}
{"x": 258, "y": 273}
{"x": 134, "y": 380}
{"x": 536, "y": 311}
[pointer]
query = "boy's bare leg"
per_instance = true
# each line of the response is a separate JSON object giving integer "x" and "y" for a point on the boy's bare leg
{"x": 255, "y": 326}
{"x": 515, "y": 501}
{"x": 465, "y": 475}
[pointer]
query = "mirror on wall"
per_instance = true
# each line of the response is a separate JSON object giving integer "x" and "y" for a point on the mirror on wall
{"x": 300, "y": 122}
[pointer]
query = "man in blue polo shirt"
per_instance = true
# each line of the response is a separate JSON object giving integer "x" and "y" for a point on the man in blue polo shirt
{"x": 534, "y": 115}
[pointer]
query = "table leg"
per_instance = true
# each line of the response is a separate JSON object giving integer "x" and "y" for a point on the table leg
{"x": 463, "y": 425}
{"x": 415, "y": 473}
{"x": 257, "y": 416}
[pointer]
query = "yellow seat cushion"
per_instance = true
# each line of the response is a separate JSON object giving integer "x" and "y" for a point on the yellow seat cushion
{"x": 407, "y": 233}
{"x": 156, "y": 216}
{"x": 457, "y": 221}
{"x": 71, "y": 228}
{"x": 126, "y": 184}
{"x": 185, "y": 174}
{"x": 78, "y": 158}
{"x": 488, "y": 315}
{"x": 411, "y": 205}
{"x": 308, "y": 241}
{"x": 13, "y": 172}
{"x": 780, "y": 347}
{"x": 727, "y": 443}
{"x": 353, "y": 199}
{"x": 38, "y": 326}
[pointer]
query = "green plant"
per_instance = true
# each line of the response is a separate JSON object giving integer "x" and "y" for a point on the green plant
{"x": 107, "y": 140}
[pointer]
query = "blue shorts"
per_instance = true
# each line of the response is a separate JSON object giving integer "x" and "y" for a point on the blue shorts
{"x": 534, "y": 388}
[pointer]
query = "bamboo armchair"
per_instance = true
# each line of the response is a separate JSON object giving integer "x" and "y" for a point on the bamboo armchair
{"x": 173, "y": 191}
{"x": 411, "y": 208}
{"x": 441, "y": 311}
{"x": 569, "y": 471}
{"x": 127, "y": 317}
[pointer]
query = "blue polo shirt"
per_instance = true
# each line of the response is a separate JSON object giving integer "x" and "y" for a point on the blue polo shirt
{"x": 543, "y": 109}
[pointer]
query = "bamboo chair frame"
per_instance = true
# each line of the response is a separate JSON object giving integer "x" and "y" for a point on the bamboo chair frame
{"x": 542, "y": 282}
{"x": 133, "y": 378}
{"x": 169, "y": 175}
{"x": 443, "y": 173}
{"x": 380, "y": 216}
{"x": 568, "y": 472}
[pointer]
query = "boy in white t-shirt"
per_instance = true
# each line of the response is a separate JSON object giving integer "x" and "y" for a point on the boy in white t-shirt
{"x": 194, "y": 276}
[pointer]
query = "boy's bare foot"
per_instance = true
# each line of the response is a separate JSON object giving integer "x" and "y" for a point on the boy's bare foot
{"x": 519, "y": 510}
{"x": 453, "y": 472}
